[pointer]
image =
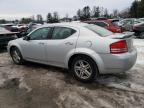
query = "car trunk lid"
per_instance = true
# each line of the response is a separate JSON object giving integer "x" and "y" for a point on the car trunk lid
{"x": 128, "y": 36}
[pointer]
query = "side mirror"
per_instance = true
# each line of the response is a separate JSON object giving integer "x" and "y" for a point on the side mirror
{"x": 24, "y": 34}
{"x": 26, "y": 38}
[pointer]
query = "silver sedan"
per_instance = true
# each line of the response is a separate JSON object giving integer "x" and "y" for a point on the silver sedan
{"x": 85, "y": 49}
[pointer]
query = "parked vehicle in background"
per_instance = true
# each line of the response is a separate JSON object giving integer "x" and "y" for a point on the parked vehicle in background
{"x": 141, "y": 19}
{"x": 19, "y": 28}
{"x": 139, "y": 30}
{"x": 128, "y": 24}
{"x": 9, "y": 26}
{"x": 30, "y": 25}
{"x": 6, "y": 36}
{"x": 85, "y": 49}
{"x": 101, "y": 18}
{"x": 110, "y": 24}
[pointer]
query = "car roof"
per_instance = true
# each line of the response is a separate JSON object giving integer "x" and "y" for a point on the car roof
{"x": 70, "y": 24}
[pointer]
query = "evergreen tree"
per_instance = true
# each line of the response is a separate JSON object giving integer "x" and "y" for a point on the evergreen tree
{"x": 39, "y": 18}
{"x": 134, "y": 9}
{"x": 49, "y": 18}
{"x": 140, "y": 10}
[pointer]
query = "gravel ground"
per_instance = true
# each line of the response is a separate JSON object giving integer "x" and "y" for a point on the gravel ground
{"x": 40, "y": 86}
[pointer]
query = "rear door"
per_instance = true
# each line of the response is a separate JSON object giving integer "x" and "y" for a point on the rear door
{"x": 62, "y": 42}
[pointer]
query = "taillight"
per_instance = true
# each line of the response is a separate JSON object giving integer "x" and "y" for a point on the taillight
{"x": 119, "y": 47}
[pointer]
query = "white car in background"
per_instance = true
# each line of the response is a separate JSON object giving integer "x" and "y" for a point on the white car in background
{"x": 85, "y": 49}
{"x": 128, "y": 24}
{"x": 6, "y": 36}
{"x": 141, "y": 19}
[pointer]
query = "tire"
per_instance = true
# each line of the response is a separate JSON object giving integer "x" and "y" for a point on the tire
{"x": 84, "y": 69}
{"x": 16, "y": 56}
{"x": 141, "y": 35}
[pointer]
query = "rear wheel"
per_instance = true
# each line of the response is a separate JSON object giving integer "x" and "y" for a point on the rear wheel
{"x": 84, "y": 68}
{"x": 16, "y": 56}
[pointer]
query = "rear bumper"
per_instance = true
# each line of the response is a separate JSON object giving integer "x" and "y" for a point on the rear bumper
{"x": 116, "y": 63}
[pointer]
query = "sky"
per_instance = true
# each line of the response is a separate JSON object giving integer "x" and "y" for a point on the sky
{"x": 12, "y": 9}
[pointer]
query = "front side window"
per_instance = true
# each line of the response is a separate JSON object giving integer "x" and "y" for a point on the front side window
{"x": 62, "y": 32}
{"x": 99, "y": 30}
{"x": 40, "y": 34}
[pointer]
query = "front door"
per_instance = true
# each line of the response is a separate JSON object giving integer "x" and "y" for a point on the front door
{"x": 34, "y": 48}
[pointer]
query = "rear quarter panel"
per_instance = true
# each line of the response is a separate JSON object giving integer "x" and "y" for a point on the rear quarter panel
{"x": 93, "y": 45}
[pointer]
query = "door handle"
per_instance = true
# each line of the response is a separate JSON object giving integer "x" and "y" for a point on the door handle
{"x": 69, "y": 43}
{"x": 41, "y": 43}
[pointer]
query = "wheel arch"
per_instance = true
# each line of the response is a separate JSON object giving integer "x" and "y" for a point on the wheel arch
{"x": 97, "y": 60}
{"x": 13, "y": 46}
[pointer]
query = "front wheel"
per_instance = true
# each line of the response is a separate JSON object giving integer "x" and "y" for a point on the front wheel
{"x": 16, "y": 56}
{"x": 84, "y": 69}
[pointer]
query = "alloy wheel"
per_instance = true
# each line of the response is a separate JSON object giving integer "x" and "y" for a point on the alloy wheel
{"x": 16, "y": 56}
{"x": 82, "y": 69}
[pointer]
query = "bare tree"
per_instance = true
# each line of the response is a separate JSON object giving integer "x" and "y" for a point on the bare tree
{"x": 39, "y": 18}
{"x": 80, "y": 14}
{"x": 115, "y": 13}
{"x": 125, "y": 13}
{"x": 55, "y": 17}
{"x": 106, "y": 14}
{"x": 67, "y": 15}
{"x": 96, "y": 11}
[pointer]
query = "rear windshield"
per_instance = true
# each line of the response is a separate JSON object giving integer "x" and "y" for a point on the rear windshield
{"x": 115, "y": 22}
{"x": 99, "y": 30}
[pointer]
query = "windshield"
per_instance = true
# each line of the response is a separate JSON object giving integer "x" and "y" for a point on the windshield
{"x": 99, "y": 30}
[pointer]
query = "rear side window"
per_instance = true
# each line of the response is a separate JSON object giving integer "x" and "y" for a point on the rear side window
{"x": 101, "y": 24}
{"x": 62, "y": 32}
{"x": 99, "y": 30}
